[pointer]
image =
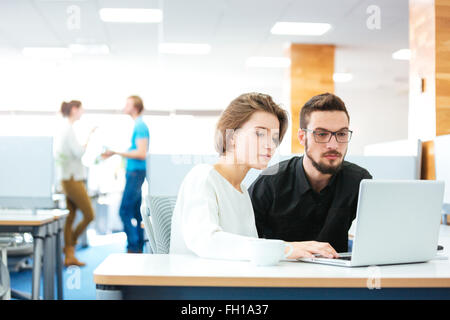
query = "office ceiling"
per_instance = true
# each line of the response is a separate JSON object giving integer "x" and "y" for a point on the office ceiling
{"x": 235, "y": 29}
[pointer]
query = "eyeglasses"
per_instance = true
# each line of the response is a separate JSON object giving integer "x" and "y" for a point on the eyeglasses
{"x": 323, "y": 136}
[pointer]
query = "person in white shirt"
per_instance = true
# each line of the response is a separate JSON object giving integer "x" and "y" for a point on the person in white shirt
{"x": 73, "y": 175}
{"x": 213, "y": 215}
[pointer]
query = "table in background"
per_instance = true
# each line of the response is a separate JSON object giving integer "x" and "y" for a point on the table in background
{"x": 46, "y": 227}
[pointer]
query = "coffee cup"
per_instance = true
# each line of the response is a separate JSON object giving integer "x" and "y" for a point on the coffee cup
{"x": 268, "y": 252}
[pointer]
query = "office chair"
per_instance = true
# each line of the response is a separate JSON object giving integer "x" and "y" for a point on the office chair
{"x": 5, "y": 288}
{"x": 157, "y": 218}
{"x": 145, "y": 213}
{"x": 19, "y": 250}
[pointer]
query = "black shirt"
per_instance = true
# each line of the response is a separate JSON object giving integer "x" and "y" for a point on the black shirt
{"x": 287, "y": 208}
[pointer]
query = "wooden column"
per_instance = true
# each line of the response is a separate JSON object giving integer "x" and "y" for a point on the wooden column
{"x": 311, "y": 73}
{"x": 429, "y": 40}
{"x": 442, "y": 10}
{"x": 428, "y": 170}
{"x": 429, "y": 94}
{"x": 429, "y": 97}
{"x": 422, "y": 104}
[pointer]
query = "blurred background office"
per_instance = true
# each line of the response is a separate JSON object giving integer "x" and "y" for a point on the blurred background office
{"x": 387, "y": 60}
{"x": 187, "y": 59}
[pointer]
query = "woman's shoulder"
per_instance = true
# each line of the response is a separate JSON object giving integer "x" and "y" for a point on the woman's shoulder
{"x": 63, "y": 132}
{"x": 200, "y": 172}
{"x": 198, "y": 179}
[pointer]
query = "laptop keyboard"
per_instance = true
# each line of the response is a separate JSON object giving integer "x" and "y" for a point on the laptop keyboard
{"x": 348, "y": 258}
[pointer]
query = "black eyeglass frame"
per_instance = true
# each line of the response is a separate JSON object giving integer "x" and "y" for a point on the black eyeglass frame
{"x": 332, "y": 134}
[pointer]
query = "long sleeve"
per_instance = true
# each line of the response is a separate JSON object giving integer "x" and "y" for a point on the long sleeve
{"x": 68, "y": 155}
{"x": 365, "y": 175}
{"x": 261, "y": 195}
{"x": 352, "y": 229}
{"x": 199, "y": 218}
{"x": 74, "y": 147}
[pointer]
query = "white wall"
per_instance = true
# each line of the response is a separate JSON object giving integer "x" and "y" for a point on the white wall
{"x": 378, "y": 113}
{"x": 105, "y": 83}
{"x": 375, "y": 116}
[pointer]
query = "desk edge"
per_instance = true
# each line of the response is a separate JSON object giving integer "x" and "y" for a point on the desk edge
{"x": 196, "y": 281}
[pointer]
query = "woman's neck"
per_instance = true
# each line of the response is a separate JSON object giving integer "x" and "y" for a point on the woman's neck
{"x": 233, "y": 172}
{"x": 71, "y": 120}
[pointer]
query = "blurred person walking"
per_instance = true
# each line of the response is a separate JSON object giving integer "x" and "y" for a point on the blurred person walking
{"x": 73, "y": 176}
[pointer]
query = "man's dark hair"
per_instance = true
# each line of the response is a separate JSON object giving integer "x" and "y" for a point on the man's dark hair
{"x": 322, "y": 102}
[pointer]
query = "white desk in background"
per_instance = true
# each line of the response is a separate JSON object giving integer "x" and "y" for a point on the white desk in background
{"x": 152, "y": 276}
{"x": 46, "y": 228}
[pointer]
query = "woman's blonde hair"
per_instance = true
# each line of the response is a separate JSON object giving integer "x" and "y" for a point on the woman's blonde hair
{"x": 239, "y": 112}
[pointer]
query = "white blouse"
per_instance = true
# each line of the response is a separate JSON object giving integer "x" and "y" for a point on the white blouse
{"x": 212, "y": 219}
{"x": 68, "y": 154}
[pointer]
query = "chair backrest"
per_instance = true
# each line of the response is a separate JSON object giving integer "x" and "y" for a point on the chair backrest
{"x": 145, "y": 213}
{"x": 4, "y": 275}
{"x": 159, "y": 220}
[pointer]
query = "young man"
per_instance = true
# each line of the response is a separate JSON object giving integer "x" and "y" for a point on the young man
{"x": 312, "y": 197}
{"x": 135, "y": 175}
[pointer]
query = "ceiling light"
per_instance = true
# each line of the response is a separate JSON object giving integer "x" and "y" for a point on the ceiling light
{"x": 126, "y": 15}
{"x": 184, "y": 48}
{"x": 402, "y": 54}
{"x": 268, "y": 62}
{"x": 300, "y": 28}
{"x": 342, "y": 77}
{"x": 90, "y": 49}
{"x": 46, "y": 52}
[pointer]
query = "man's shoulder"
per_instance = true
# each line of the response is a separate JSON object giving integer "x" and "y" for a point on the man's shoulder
{"x": 352, "y": 170}
{"x": 280, "y": 169}
{"x": 141, "y": 123}
{"x": 140, "y": 126}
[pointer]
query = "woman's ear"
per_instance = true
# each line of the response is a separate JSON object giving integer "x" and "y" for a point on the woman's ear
{"x": 230, "y": 137}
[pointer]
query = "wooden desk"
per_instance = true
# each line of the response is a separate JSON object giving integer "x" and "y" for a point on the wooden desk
{"x": 46, "y": 227}
{"x": 25, "y": 220}
{"x": 40, "y": 228}
{"x": 147, "y": 276}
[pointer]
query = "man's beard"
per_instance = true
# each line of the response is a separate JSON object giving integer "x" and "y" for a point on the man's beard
{"x": 323, "y": 168}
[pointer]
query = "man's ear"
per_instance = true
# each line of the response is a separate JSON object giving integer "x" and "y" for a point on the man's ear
{"x": 301, "y": 135}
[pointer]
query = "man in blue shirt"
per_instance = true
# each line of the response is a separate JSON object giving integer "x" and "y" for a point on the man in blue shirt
{"x": 135, "y": 175}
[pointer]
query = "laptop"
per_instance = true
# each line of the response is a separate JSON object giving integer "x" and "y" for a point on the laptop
{"x": 397, "y": 221}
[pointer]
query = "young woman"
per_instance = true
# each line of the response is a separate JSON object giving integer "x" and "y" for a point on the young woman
{"x": 213, "y": 216}
{"x": 73, "y": 175}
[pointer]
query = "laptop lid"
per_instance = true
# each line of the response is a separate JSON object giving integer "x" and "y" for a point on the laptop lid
{"x": 397, "y": 221}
